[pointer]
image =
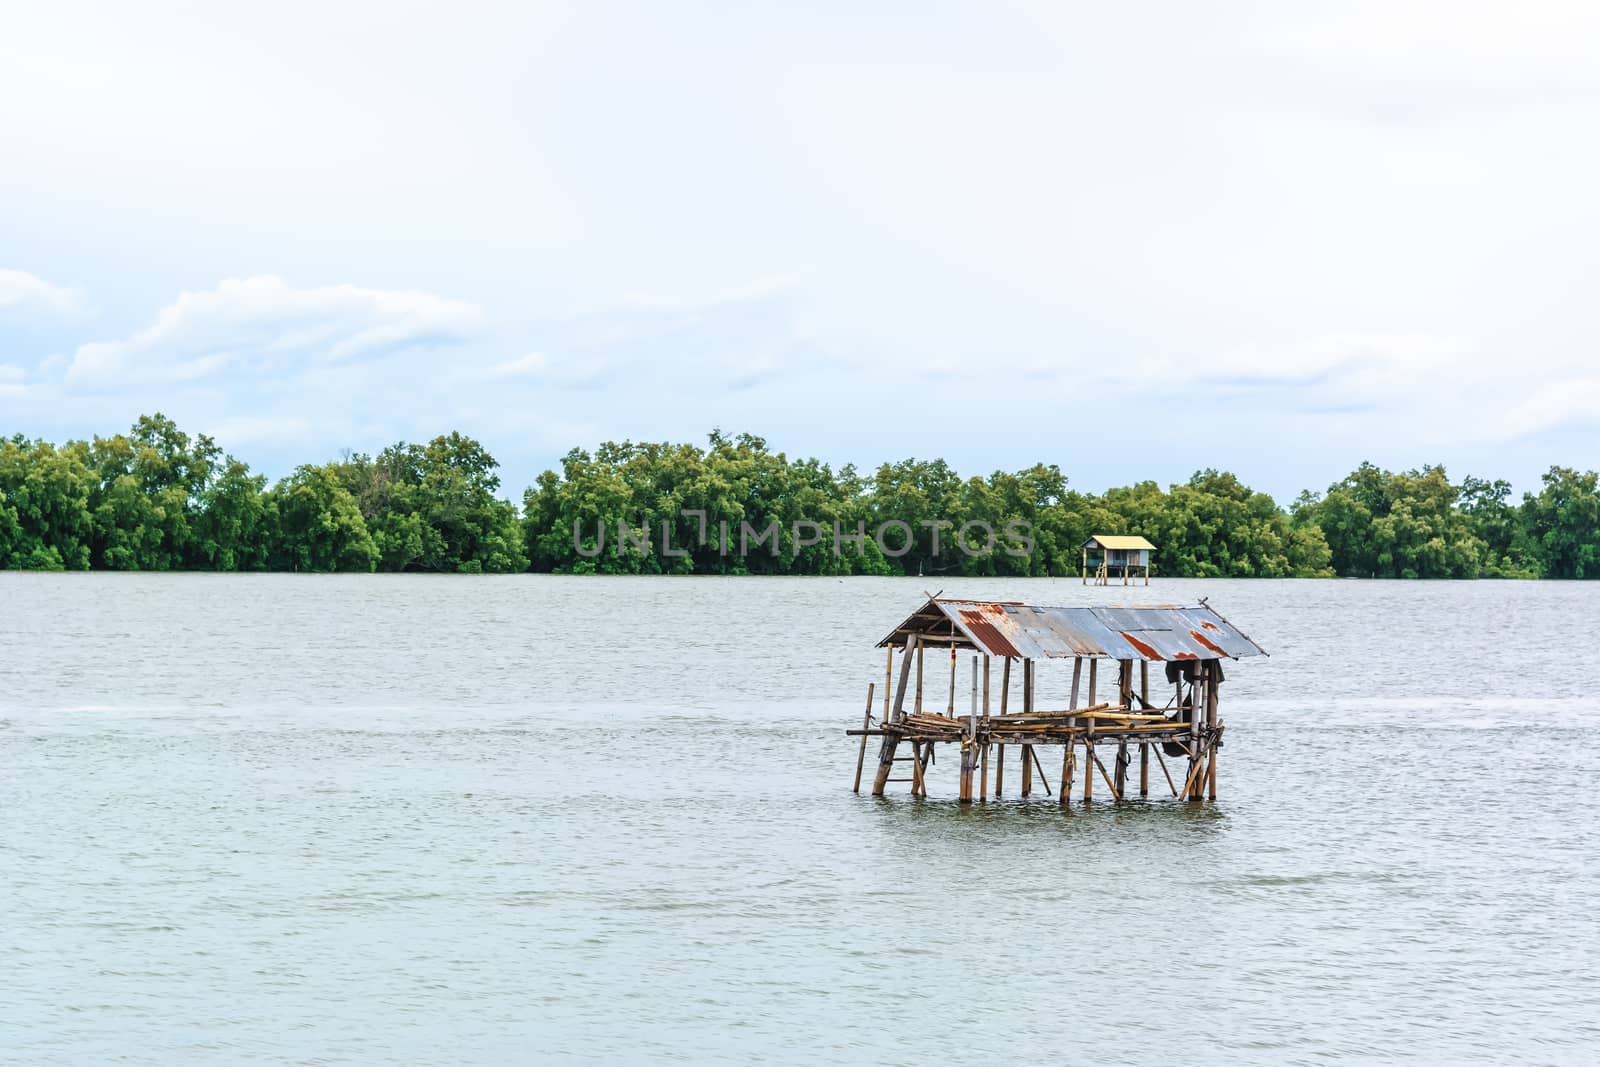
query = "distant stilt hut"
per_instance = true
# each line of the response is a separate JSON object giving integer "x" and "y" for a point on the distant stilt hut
{"x": 1181, "y": 722}
{"x": 1119, "y": 554}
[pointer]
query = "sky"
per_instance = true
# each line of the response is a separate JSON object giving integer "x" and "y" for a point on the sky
{"x": 1131, "y": 240}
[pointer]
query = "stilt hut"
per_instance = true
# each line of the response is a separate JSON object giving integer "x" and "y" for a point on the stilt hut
{"x": 1122, "y": 555}
{"x": 1175, "y": 716}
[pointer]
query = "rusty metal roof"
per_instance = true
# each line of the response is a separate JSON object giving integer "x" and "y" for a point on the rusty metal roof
{"x": 1118, "y": 541}
{"x": 1030, "y": 631}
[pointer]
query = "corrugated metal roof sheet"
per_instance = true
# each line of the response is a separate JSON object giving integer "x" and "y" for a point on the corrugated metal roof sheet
{"x": 1118, "y": 541}
{"x": 1030, "y": 631}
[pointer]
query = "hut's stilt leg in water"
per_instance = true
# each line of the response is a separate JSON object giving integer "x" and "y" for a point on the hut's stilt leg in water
{"x": 892, "y": 740}
{"x": 1028, "y": 758}
{"x": 866, "y": 724}
{"x": 1144, "y": 768}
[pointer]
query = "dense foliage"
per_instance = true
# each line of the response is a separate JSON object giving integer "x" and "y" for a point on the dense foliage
{"x": 157, "y": 499}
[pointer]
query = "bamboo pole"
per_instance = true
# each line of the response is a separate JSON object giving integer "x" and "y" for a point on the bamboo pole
{"x": 1077, "y": 673}
{"x": 1191, "y": 783}
{"x": 1121, "y": 785}
{"x": 891, "y": 740}
{"x": 888, "y": 682}
{"x": 866, "y": 723}
{"x": 1144, "y": 768}
{"x": 969, "y": 744}
{"x": 1116, "y": 794}
{"x": 1211, "y": 721}
{"x": 1196, "y": 696}
{"x": 1027, "y": 706}
{"x": 1000, "y": 755}
{"x": 1163, "y": 763}
{"x": 1066, "y": 773}
{"x": 951, "y": 711}
{"x": 918, "y": 704}
{"x": 1042, "y": 779}
{"x": 1094, "y": 666}
{"x": 1088, "y": 772}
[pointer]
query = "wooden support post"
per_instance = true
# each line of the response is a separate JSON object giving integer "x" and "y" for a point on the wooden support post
{"x": 1094, "y": 666}
{"x": 983, "y": 751}
{"x": 1144, "y": 683}
{"x": 892, "y": 739}
{"x": 917, "y": 706}
{"x": 1042, "y": 779}
{"x": 1211, "y": 721}
{"x": 1144, "y": 768}
{"x": 1088, "y": 771}
{"x": 1120, "y": 785}
{"x": 951, "y": 709}
{"x": 1077, "y": 673}
{"x": 969, "y": 744}
{"x": 866, "y": 724}
{"x": 1191, "y": 784}
{"x": 1028, "y": 706}
{"x": 1116, "y": 794}
{"x": 1191, "y": 789}
{"x": 986, "y": 687}
{"x": 1000, "y": 756}
{"x": 1066, "y": 774}
{"x": 1165, "y": 773}
{"x": 888, "y": 684}
{"x": 1085, "y": 571}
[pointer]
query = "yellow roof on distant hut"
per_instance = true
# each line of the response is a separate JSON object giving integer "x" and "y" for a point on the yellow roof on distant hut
{"x": 1118, "y": 541}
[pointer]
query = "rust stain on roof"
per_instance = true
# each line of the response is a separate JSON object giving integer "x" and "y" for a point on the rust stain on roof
{"x": 1144, "y": 650}
{"x": 980, "y": 623}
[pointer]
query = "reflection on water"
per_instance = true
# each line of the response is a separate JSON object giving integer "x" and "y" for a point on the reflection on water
{"x": 444, "y": 820}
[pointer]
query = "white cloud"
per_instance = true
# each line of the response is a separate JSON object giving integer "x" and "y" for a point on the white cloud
{"x": 1369, "y": 358}
{"x": 28, "y": 292}
{"x": 534, "y": 363}
{"x": 263, "y": 323}
{"x": 247, "y": 429}
{"x": 1468, "y": 39}
{"x": 1552, "y": 405}
{"x": 10, "y": 372}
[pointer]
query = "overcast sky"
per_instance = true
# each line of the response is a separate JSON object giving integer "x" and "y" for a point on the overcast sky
{"x": 1133, "y": 240}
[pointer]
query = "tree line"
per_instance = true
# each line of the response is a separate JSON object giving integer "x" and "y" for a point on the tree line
{"x": 157, "y": 498}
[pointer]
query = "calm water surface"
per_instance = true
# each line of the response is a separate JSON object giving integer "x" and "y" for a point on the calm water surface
{"x": 445, "y": 820}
